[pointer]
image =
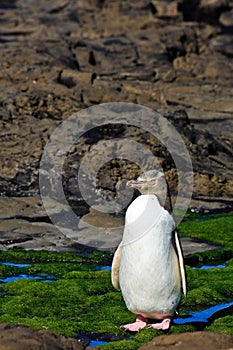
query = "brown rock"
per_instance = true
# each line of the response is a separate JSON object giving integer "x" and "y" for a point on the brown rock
{"x": 166, "y": 9}
{"x": 226, "y": 18}
{"x": 191, "y": 341}
{"x": 166, "y": 55}
{"x": 19, "y": 337}
{"x": 98, "y": 218}
{"x": 203, "y": 10}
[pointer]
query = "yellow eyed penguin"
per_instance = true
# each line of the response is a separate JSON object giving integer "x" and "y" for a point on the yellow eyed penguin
{"x": 148, "y": 264}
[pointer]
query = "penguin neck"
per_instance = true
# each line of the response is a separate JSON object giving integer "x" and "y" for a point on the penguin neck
{"x": 144, "y": 207}
{"x": 141, "y": 216}
{"x": 162, "y": 193}
{"x": 167, "y": 204}
{"x": 164, "y": 202}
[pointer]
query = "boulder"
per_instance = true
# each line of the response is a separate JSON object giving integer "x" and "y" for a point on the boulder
{"x": 191, "y": 341}
{"x": 19, "y": 337}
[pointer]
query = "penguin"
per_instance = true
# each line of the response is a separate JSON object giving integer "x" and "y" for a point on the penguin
{"x": 148, "y": 266}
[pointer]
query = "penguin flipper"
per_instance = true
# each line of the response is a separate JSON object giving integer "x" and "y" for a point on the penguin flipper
{"x": 116, "y": 267}
{"x": 181, "y": 262}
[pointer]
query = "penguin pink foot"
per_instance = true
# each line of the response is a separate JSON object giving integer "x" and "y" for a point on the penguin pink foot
{"x": 165, "y": 324}
{"x": 140, "y": 323}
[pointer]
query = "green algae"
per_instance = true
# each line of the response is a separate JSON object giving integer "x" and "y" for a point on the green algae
{"x": 213, "y": 228}
{"x": 42, "y": 256}
{"x": 8, "y": 271}
{"x": 32, "y": 303}
{"x": 121, "y": 345}
{"x": 221, "y": 325}
{"x": 209, "y": 286}
{"x": 83, "y": 300}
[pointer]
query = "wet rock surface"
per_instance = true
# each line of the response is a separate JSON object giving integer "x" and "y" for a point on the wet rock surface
{"x": 15, "y": 337}
{"x": 24, "y": 224}
{"x": 192, "y": 341}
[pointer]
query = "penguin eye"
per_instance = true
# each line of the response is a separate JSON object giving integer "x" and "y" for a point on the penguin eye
{"x": 152, "y": 181}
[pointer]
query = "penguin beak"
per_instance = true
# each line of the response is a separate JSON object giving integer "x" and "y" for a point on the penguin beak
{"x": 135, "y": 183}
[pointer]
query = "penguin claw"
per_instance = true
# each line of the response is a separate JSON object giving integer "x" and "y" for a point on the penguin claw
{"x": 136, "y": 326}
{"x": 165, "y": 324}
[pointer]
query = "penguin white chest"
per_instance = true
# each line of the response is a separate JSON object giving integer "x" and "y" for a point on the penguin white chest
{"x": 149, "y": 273}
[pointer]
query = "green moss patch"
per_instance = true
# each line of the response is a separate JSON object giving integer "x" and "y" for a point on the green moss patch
{"x": 222, "y": 325}
{"x": 83, "y": 300}
{"x": 213, "y": 228}
{"x": 209, "y": 286}
{"x": 42, "y": 256}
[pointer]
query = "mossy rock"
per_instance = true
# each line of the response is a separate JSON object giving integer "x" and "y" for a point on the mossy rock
{"x": 212, "y": 228}
{"x": 222, "y": 325}
{"x": 83, "y": 300}
{"x": 42, "y": 256}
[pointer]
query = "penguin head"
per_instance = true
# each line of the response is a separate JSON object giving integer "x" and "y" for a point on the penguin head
{"x": 150, "y": 182}
{"x": 153, "y": 182}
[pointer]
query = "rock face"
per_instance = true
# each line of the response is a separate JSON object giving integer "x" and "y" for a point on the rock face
{"x": 192, "y": 341}
{"x": 19, "y": 337}
{"x": 60, "y": 57}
